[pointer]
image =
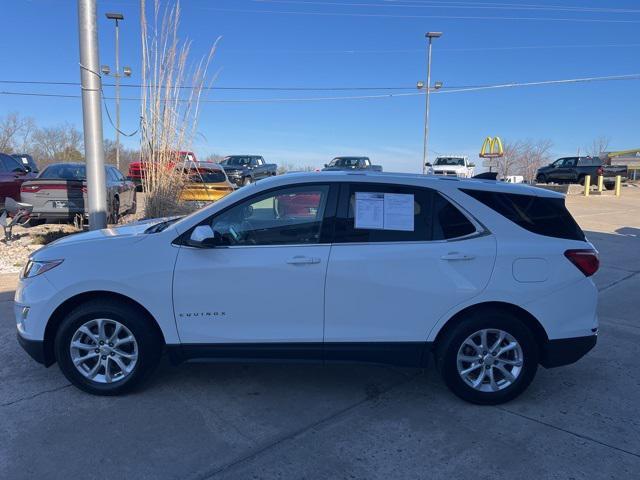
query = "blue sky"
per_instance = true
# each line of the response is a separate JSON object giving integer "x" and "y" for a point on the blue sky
{"x": 359, "y": 43}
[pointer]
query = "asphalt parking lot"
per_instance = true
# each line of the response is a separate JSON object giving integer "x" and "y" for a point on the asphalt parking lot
{"x": 201, "y": 421}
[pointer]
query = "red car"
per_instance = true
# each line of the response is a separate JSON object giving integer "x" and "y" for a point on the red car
{"x": 137, "y": 169}
{"x": 12, "y": 175}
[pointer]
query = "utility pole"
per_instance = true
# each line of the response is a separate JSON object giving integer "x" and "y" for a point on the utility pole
{"x": 127, "y": 72}
{"x": 430, "y": 36}
{"x": 92, "y": 114}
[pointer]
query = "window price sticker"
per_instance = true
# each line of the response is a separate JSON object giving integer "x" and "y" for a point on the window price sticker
{"x": 384, "y": 211}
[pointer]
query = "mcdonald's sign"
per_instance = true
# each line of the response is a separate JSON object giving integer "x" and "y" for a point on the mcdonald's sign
{"x": 491, "y": 148}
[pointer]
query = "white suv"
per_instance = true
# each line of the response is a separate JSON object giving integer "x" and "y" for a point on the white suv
{"x": 491, "y": 279}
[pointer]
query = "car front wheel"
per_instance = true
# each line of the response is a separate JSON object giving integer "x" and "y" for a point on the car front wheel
{"x": 106, "y": 348}
{"x": 541, "y": 179}
{"x": 488, "y": 358}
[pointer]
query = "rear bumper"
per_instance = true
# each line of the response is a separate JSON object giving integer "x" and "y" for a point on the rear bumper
{"x": 35, "y": 348}
{"x": 66, "y": 216}
{"x": 565, "y": 351}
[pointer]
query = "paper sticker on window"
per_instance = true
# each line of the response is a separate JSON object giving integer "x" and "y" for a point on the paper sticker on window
{"x": 384, "y": 211}
{"x": 369, "y": 210}
{"x": 398, "y": 211}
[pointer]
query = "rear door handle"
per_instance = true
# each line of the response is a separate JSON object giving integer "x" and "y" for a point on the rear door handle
{"x": 301, "y": 260}
{"x": 457, "y": 256}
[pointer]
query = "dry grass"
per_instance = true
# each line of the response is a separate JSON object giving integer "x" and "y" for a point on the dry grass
{"x": 51, "y": 236}
{"x": 169, "y": 112}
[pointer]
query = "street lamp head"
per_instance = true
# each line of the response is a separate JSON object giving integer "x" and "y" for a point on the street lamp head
{"x": 105, "y": 69}
{"x": 115, "y": 16}
{"x": 420, "y": 85}
{"x": 126, "y": 71}
{"x": 433, "y": 34}
{"x": 438, "y": 85}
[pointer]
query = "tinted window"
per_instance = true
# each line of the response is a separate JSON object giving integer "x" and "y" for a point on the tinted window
{"x": 448, "y": 221}
{"x": 118, "y": 175}
{"x": 64, "y": 171}
{"x": 345, "y": 226}
{"x": 27, "y": 161}
{"x": 285, "y": 216}
{"x": 205, "y": 175}
{"x": 9, "y": 164}
{"x": 541, "y": 215}
{"x": 570, "y": 162}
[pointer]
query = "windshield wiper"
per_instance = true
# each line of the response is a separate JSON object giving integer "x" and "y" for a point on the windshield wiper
{"x": 158, "y": 227}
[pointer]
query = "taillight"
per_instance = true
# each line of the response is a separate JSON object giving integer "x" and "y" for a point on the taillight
{"x": 586, "y": 260}
{"x": 30, "y": 188}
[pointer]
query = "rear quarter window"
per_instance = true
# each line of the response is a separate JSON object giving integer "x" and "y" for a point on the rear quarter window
{"x": 542, "y": 215}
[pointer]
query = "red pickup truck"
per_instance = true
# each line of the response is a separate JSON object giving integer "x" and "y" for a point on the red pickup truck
{"x": 137, "y": 169}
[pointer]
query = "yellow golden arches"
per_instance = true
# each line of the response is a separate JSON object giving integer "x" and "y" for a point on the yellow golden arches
{"x": 491, "y": 148}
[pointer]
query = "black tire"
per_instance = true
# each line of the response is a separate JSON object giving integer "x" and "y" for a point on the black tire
{"x": 541, "y": 179}
{"x": 610, "y": 186}
{"x": 448, "y": 347}
{"x": 247, "y": 181}
{"x": 149, "y": 345}
{"x": 581, "y": 179}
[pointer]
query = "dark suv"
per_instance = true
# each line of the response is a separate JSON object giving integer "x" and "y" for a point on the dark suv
{"x": 576, "y": 169}
{"x": 12, "y": 175}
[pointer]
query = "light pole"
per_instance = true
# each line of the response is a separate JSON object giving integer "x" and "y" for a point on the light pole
{"x": 92, "y": 114}
{"x": 126, "y": 72}
{"x": 430, "y": 36}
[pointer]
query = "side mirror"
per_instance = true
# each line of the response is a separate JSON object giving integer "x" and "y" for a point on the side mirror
{"x": 203, "y": 236}
{"x": 428, "y": 164}
{"x": 326, "y": 165}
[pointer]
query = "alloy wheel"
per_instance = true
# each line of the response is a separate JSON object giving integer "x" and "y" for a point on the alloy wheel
{"x": 490, "y": 360}
{"x": 104, "y": 350}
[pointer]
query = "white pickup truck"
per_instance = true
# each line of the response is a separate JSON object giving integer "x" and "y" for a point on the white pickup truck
{"x": 457, "y": 166}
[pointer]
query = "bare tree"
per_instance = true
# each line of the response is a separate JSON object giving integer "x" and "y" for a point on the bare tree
{"x": 62, "y": 143}
{"x": 507, "y": 164}
{"x": 524, "y": 157}
{"x": 288, "y": 167}
{"x": 598, "y": 145}
{"x": 15, "y": 133}
{"x": 127, "y": 155}
{"x": 535, "y": 154}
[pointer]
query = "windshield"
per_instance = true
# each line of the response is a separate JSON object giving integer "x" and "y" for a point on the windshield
{"x": 27, "y": 161}
{"x": 64, "y": 172}
{"x": 449, "y": 161}
{"x": 238, "y": 161}
{"x": 206, "y": 176}
{"x": 345, "y": 162}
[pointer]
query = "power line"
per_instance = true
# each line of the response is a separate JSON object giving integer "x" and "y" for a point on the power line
{"x": 432, "y": 17}
{"x": 465, "y": 5}
{"x": 634, "y": 76}
{"x": 419, "y": 50}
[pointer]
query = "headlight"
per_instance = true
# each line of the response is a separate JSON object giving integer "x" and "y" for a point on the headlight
{"x": 35, "y": 267}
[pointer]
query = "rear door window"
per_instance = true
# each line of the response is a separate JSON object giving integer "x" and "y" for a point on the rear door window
{"x": 434, "y": 216}
{"x": 546, "y": 216}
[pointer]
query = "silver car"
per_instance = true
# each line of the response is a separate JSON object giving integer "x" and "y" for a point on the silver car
{"x": 59, "y": 194}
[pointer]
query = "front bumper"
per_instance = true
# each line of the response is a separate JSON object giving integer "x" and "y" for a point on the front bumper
{"x": 565, "y": 351}
{"x": 35, "y": 349}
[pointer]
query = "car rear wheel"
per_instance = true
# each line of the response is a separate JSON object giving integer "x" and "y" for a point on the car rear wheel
{"x": 488, "y": 358}
{"x": 106, "y": 348}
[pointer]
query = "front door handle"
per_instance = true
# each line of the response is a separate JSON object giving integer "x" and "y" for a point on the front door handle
{"x": 301, "y": 260}
{"x": 457, "y": 256}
